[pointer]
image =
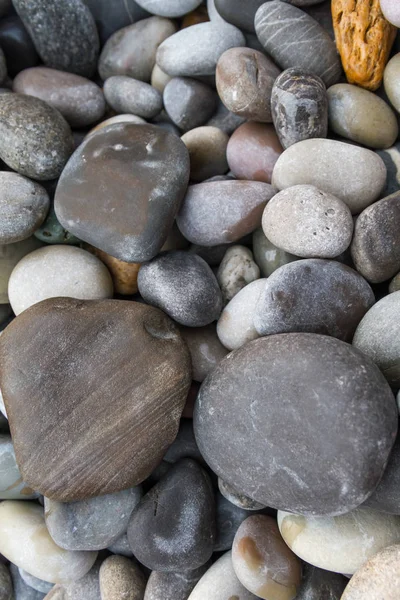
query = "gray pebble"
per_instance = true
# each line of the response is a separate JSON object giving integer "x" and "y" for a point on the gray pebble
{"x": 205, "y": 349}
{"x": 185, "y": 445}
{"x": 391, "y": 158}
{"x": 6, "y": 591}
{"x": 225, "y": 119}
{"x": 128, "y": 95}
{"x": 189, "y": 103}
{"x": 172, "y": 8}
{"x": 3, "y": 67}
{"x": 386, "y": 497}
{"x": 112, "y": 16}
{"x": 268, "y": 256}
{"x": 23, "y": 591}
{"x": 322, "y": 13}
{"x": 239, "y": 13}
{"x": 35, "y": 583}
{"x": 85, "y": 588}
{"x": 121, "y": 546}
{"x": 211, "y": 254}
{"x": 228, "y": 518}
{"x": 173, "y": 586}
{"x": 236, "y": 498}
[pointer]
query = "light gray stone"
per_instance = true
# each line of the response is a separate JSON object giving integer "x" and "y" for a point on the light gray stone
{"x": 128, "y": 95}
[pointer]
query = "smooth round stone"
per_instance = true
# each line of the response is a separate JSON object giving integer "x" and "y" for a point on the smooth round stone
{"x": 361, "y": 116}
{"x": 132, "y": 50}
{"x": 184, "y": 446}
{"x": 313, "y": 295}
{"x": 121, "y": 547}
{"x": 263, "y": 562}
{"x": 173, "y": 528}
{"x": 268, "y": 256}
{"x": 391, "y": 11}
{"x": 294, "y": 39}
{"x": 127, "y": 95}
{"x": 134, "y": 119}
{"x": 236, "y": 270}
{"x": 386, "y": 497}
{"x": 172, "y": 8}
{"x": 239, "y": 13}
{"x": 159, "y": 79}
{"x": 391, "y": 79}
{"x": 22, "y": 591}
{"x": 58, "y": 271}
{"x": 355, "y": 175}
{"x": 225, "y": 120}
{"x": 375, "y": 248}
{"x": 220, "y": 583}
{"x": 299, "y": 106}
{"x": 63, "y": 32}
{"x": 87, "y": 587}
{"x": 120, "y": 577}
{"x": 105, "y": 406}
{"x": 122, "y": 188}
{"x": 244, "y": 79}
{"x": 52, "y": 232}
{"x": 235, "y": 326}
{"x": 17, "y": 45}
{"x": 183, "y": 286}
{"x": 124, "y": 275}
{"x": 189, "y": 103}
{"x": 342, "y": 543}
{"x": 24, "y": 205}
{"x": 207, "y": 151}
{"x": 36, "y": 140}
{"x": 281, "y": 381}
{"x": 220, "y": 212}
{"x": 236, "y": 498}
{"x": 10, "y": 255}
{"x": 113, "y": 16}
{"x": 307, "y": 222}
{"x": 206, "y": 351}
{"x": 6, "y": 587}
{"x": 11, "y": 485}
{"x": 195, "y": 51}
{"x": 34, "y": 582}
{"x": 172, "y": 586}
{"x": 253, "y": 150}
{"x": 79, "y": 100}
{"x": 26, "y": 542}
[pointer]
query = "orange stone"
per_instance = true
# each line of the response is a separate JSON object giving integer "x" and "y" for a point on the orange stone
{"x": 124, "y": 275}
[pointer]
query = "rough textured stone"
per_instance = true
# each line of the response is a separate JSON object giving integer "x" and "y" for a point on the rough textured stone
{"x": 121, "y": 578}
{"x": 37, "y": 584}
{"x": 11, "y": 485}
{"x": 172, "y": 586}
{"x": 54, "y": 430}
{"x": 236, "y": 270}
{"x": 206, "y": 351}
{"x": 268, "y": 256}
{"x": 127, "y": 95}
{"x": 188, "y": 102}
{"x": 207, "y": 151}
{"x": 17, "y": 45}
{"x": 10, "y": 255}
{"x": 236, "y": 498}
{"x": 239, "y": 13}
{"x": 86, "y": 587}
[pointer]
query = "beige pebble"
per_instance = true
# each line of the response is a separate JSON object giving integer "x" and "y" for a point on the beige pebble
{"x": 236, "y": 270}
{"x": 207, "y": 150}
{"x": 121, "y": 579}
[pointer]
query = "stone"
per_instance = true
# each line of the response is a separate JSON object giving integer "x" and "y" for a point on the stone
{"x": 361, "y": 116}
{"x": 173, "y": 528}
{"x": 189, "y": 103}
{"x": 390, "y": 80}
{"x": 5, "y": 6}
{"x": 263, "y": 562}
{"x": 315, "y": 296}
{"x": 238, "y": 13}
{"x": 299, "y": 106}
{"x": 17, "y": 45}
{"x": 53, "y": 430}
{"x": 64, "y": 33}
{"x": 11, "y": 485}
{"x": 250, "y": 393}
{"x": 58, "y": 271}
{"x": 118, "y": 119}
{"x": 172, "y": 586}
{"x": 36, "y": 140}
{"x": 79, "y": 100}
{"x": 353, "y": 174}
{"x": 391, "y": 11}
{"x": 236, "y": 270}
{"x": 280, "y": 27}
{"x": 144, "y": 170}
{"x": 121, "y": 547}
{"x": 268, "y": 256}
{"x": 340, "y": 543}
{"x": 159, "y": 79}
{"x": 124, "y": 275}
{"x": 375, "y": 248}
{"x": 253, "y": 150}
{"x": 229, "y": 518}
{"x": 322, "y": 13}
{"x": 23, "y": 591}
{"x": 195, "y": 51}
{"x": 317, "y": 584}
{"x": 172, "y": 9}
{"x": 211, "y": 254}
{"x": 24, "y": 205}
{"x": 236, "y": 498}
{"x": 235, "y": 326}
{"x": 132, "y": 50}
{"x": 386, "y": 497}
{"x": 111, "y": 17}
{"x": 127, "y": 95}
{"x": 206, "y": 351}
{"x": 225, "y": 120}
{"x": 175, "y": 240}
{"x": 52, "y": 232}
{"x": 6, "y": 588}
{"x": 207, "y": 151}
{"x": 307, "y": 222}
{"x": 199, "y": 15}
{"x": 3, "y": 67}
{"x": 26, "y": 542}
{"x": 364, "y": 39}
{"x": 86, "y": 587}
{"x": 244, "y": 79}
{"x": 34, "y": 582}
{"x": 183, "y": 286}
{"x": 10, "y": 255}
{"x": 184, "y": 446}
{"x": 391, "y": 159}
{"x": 394, "y": 285}
{"x": 120, "y": 577}
{"x": 220, "y": 212}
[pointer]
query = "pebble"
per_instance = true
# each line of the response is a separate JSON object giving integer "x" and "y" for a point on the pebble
{"x": 206, "y": 351}
{"x": 322, "y": 13}
{"x": 253, "y": 150}
{"x": 386, "y": 497}
{"x": 58, "y": 423}
{"x": 391, "y": 11}
{"x": 207, "y": 151}
{"x": 34, "y": 582}
{"x": 236, "y": 498}
{"x": 225, "y": 120}
{"x": 375, "y": 248}
{"x": 64, "y": 33}
{"x": 132, "y": 50}
{"x": 257, "y": 390}
{"x": 172, "y": 8}
{"x": 120, "y": 578}
{"x": 159, "y": 79}
{"x": 361, "y": 116}
{"x": 58, "y": 271}
{"x": 195, "y": 51}
{"x": 394, "y": 285}
{"x": 313, "y": 295}
{"x": 26, "y": 542}
{"x": 144, "y": 169}
{"x": 183, "y": 286}
{"x": 10, "y": 255}
{"x": 127, "y": 95}
{"x": 244, "y": 79}
{"x": 124, "y": 275}
{"x": 342, "y": 543}
{"x": 6, "y": 587}
{"x": 113, "y": 16}
{"x": 121, "y": 546}
{"x": 17, "y": 45}
{"x": 280, "y": 27}
{"x": 11, "y": 485}
{"x": 87, "y": 587}
{"x": 3, "y": 67}
{"x": 189, "y": 103}
{"x": 354, "y": 175}
{"x": 236, "y": 270}
{"x": 118, "y": 119}
{"x": 36, "y": 140}
{"x": 299, "y": 106}
{"x": 391, "y": 158}
{"x": 52, "y": 232}
{"x": 269, "y": 257}
{"x": 24, "y": 205}
{"x": 172, "y": 586}
{"x": 229, "y": 518}
{"x": 173, "y": 528}
{"x": 318, "y": 584}
{"x": 23, "y": 591}
{"x": 79, "y": 100}
{"x": 220, "y": 212}
{"x": 184, "y": 446}
{"x": 391, "y": 81}
{"x": 235, "y": 326}
{"x": 239, "y": 13}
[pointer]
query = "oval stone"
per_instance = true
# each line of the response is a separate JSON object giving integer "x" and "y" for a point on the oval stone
{"x": 206, "y": 351}
{"x": 288, "y": 381}
{"x": 128, "y": 95}
{"x": 391, "y": 11}
{"x": 236, "y": 270}
{"x": 207, "y": 152}
{"x": 176, "y": 586}
{"x": 172, "y": 8}
{"x": 268, "y": 256}
{"x": 188, "y": 102}
{"x": 120, "y": 577}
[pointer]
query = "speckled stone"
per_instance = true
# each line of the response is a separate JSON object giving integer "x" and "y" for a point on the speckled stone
{"x": 172, "y": 586}
{"x": 17, "y": 45}
{"x": 127, "y": 95}
{"x": 87, "y": 587}
{"x": 207, "y": 151}
{"x": 10, "y": 255}
{"x": 268, "y": 256}
{"x": 206, "y": 351}
{"x": 355, "y": 175}
{"x": 120, "y": 578}
{"x": 34, "y": 582}
{"x": 11, "y": 485}
{"x": 225, "y": 120}
{"x": 52, "y": 232}
{"x": 188, "y": 102}
{"x": 172, "y": 8}
{"x": 6, "y": 588}
{"x": 264, "y": 387}
{"x": 236, "y": 270}
{"x": 239, "y": 13}
{"x": 22, "y": 591}
{"x": 236, "y": 498}
{"x": 63, "y": 32}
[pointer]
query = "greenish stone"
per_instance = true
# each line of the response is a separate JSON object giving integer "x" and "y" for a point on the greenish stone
{"x": 52, "y": 232}
{"x": 267, "y": 256}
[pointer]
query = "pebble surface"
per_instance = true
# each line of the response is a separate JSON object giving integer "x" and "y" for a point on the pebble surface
{"x": 128, "y": 95}
{"x": 120, "y": 577}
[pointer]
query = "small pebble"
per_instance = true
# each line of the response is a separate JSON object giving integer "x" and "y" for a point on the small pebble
{"x": 121, "y": 578}
{"x": 225, "y": 120}
{"x": 34, "y": 582}
{"x": 228, "y": 519}
{"x": 188, "y": 102}
{"x": 11, "y": 485}
{"x": 236, "y": 498}
{"x": 6, "y": 587}
{"x": 52, "y": 232}
{"x": 172, "y": 586}
{"x": 236, "y": 270}
{"x": 207, "y": 151}
{"x": 127, "y": 95}
{"x": 121, "y": 546}
{"x": 268, "y": 256}
{"x": 206, "y": 351}
{"x": 391, "y": 11}
{"x": 159, "y": 79}
{"x": 10, "y": 255}
{"x": 124, "y": 275}
{"x": 391, "y": 158}
{"x": 87, "y": 587}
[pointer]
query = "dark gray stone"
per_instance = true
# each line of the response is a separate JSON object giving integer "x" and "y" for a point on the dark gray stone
{"x": 386, "y": 497}
{"x": 5, "y": 7}
{"x": 229, "y": 517}
{"x": 318, "y": 584}
{"x": 17, "y": 45}
{"x": 112, "y": 16}
{"x": 121, "y": 546}
{"x": 128, "y": 95}
{"x": 225, "y": 120}
{"x": 185, "y": 445}
{"x": 6, "y": 591}
{"x": 173, "y": 586}
{"x": 236, "y": 498}
{"x": 189, "y": 103}
{"x": 239, "y": 13}
{"x": 322, "y": 13}
{"x": 3, "y": 66}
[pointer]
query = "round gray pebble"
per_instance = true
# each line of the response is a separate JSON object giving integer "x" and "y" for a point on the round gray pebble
{"x": 189, "y": 103}
{"x": 172, "y": 8}
{"x": 35, "y": 583}
{"x": 127, "y": 95}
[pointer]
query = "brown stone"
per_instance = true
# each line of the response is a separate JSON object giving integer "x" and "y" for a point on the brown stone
{"x": 124, "y": 275}
{"x": 120, "y": 578}
{"x": 94, "y": 391}
{"x": 364, "y": 39}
